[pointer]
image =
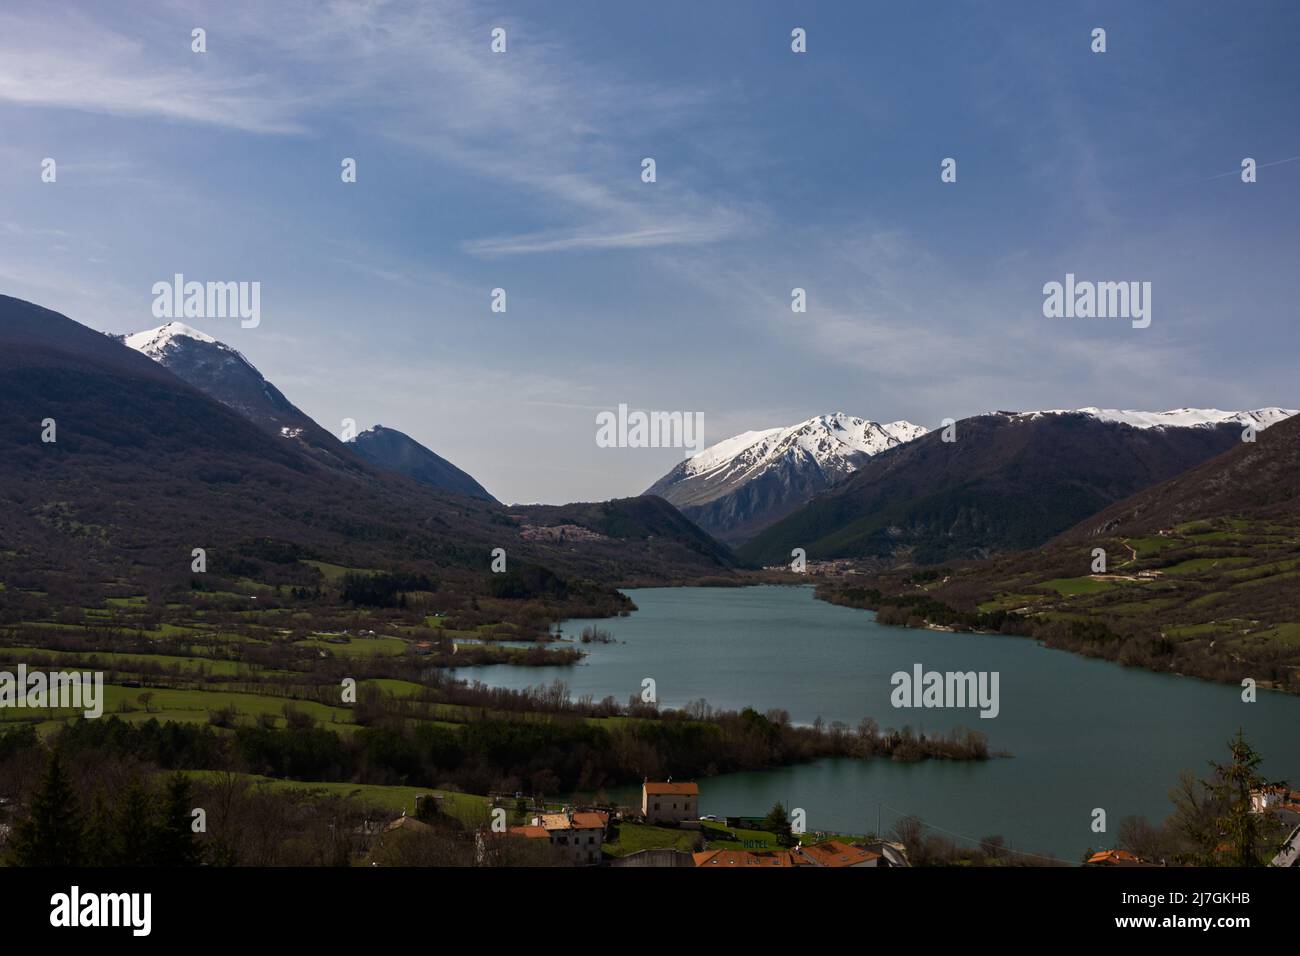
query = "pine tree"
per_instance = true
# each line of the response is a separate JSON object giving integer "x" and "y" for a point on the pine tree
{"x": 52, "y": 833}
{"x": 1238, "y": 825}
{"x": 174, "y": 843}
{"x": 135, "y": 826}
{"x": 776, "y": 822}
{"x": 101, "y": 846}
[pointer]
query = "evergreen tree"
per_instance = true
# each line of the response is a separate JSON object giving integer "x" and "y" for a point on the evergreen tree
{"x": 777, "y": 822}
{"x": 101, "y": 846}
{"x": 1238, "y": 825}
{"x": 135, "y": 826}
{"x": 174, "y": 843}
{"x": 52, "y": 833}
{"x": 1215, "y": 818}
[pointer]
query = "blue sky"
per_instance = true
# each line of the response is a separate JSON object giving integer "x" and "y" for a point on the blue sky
{"x": 775, "y": 170}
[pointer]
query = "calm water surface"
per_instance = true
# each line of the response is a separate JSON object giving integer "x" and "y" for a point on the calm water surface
{"x": 1084, "y": 733}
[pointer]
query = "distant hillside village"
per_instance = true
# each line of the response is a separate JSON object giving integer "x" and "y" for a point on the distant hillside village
{"x": 666, "y": 830}
{"x": 577, "y": 837}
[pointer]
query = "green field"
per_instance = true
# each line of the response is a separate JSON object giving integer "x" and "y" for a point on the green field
{"x": 631, "y": 838}
{"x": 99, "y": 660}
{"x": 1083, "y": 585}
{"x": 357, "y": 646}
{"x": 192, "y": 706}
{"x": 469, "y": 808}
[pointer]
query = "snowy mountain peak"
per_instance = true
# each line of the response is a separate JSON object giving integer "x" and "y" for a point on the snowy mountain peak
{"x": 157, "y": 342}
{"x": 741, "y": 484}
{"x": 224, "y": 374}
{"x": 830, "y": 441}
{"x": 1176, "y": 417}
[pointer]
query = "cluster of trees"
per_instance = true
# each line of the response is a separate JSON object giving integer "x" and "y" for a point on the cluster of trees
{"x": 140, "y": 826}
{"x": 529, "y": 582}
{"x": 75, "y": 806}
{"x": 535, "y": 752}
{"x": 1133, "y": 640}
{"x": 1212, "y": 823}
{"x": 1225, "y": 657}
{"x": 384, "y": 589}
{"x": 926, "y": 847}
{"x": 918, "y": 610}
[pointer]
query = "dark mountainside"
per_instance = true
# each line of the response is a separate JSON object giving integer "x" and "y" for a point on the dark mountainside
{"x": 1007, "y": 483}
{"x": 396, "y": 451}
{"x": 1202, "y": 575}
{"x": 222, "y": 373}
{"x": 755, "y": 505}
{"x": 146, "y": 468}
{"x": 1258, "y": 480}
{"x": 659, "y": 529}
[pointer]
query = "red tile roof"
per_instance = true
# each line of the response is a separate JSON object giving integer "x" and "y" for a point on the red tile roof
{"x": 580, "y": 820}
{"x": 838, "y": 853}
{"x": 683, "y": 789}
{"x": 531, "y": 832}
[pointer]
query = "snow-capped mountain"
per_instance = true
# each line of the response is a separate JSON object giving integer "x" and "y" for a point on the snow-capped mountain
{"x": 224, "y": 374}
{"x": 156, "y": 343}
{"x": 1005, "y": 481}
{"x": 741, "y": 485}
{"x": 1261, "y": 418}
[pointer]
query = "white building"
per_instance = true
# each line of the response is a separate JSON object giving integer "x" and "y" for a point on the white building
{"x": 670, "y": 802}
{"x": 576, "y": 836}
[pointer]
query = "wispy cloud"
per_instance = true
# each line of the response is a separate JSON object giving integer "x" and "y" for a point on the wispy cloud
{"x": 67, "y": 60}
{"x": 548, "y": 129}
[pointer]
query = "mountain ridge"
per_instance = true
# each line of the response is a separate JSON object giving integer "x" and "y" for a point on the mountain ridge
{"x": 1008, "y": 481}
{"x": 224, "y": 373}
{"x": 735, "y": 488}
{"x": 1199, "y": 575}
{"x": 399, "y": 452}
{"x": 143, "y": 467}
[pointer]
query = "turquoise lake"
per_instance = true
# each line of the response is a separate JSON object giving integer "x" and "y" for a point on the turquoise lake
{"x": 1083, "y": 733}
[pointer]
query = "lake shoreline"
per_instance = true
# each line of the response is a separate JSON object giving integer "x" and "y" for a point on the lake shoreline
{"x": 1081, "y": 730}
{"x": 1095, "y": 650}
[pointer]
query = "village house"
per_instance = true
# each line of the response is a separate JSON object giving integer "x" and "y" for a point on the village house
{"x": 575, "y": 835}
{"x": 1281, "y": 803}
{"x": 835, "y": 853}
{"x": 670, "y": 802}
